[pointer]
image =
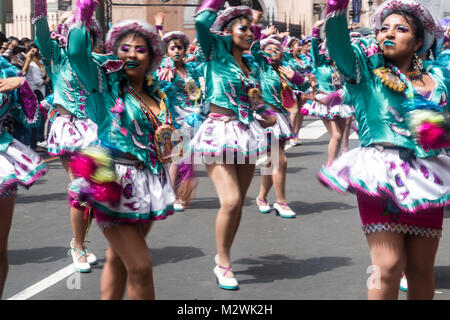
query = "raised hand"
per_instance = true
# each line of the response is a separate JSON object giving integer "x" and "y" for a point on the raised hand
{"x": 166, "y": 74}
{"x": 10, "y": 84}
{"x": 85, "y": 10}
{"x": 211, "y": 4}
{"x": 319, "y": 23}
{"x": 336, "y": 5}
{"x": 40, "y": 9}
{"x": 159, "y": 19}
{"x": 269, "y": 31}
{"x": 287, "y": 71}
{"x": 257, "y": 15}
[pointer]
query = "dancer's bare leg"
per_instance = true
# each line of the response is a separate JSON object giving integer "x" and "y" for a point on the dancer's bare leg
{"x": 6, "y": 215}
{"x": 79, "y": 223}
{"x": 387, "y": 250}
{"x": 231, "y": 182}
{"x": 128, "y": 252}
{"x": 421, "y": 254}
{"x": 334, "y": 130}
{"x": 346, "y": 134}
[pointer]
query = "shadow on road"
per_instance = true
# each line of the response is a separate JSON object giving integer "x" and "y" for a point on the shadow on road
{"x": 36, "y": 255}
{"x": 174, "y": 254}
{"x": 205, "y": 203}
{"x": 303, "y": 208}
{"x": 303, "y": 154}
{"x": 442, "y": 276}
{"x": 315, "y": 142}
{"x": 42, "y": 197}
{"x": 278, "y": 267}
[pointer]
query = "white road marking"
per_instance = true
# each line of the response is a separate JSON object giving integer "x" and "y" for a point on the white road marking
{"x": 354, "y": 136}
{"x": 316, "y": 130}
{"x": 312, "y": 131}
{"x": 44, "y": 284}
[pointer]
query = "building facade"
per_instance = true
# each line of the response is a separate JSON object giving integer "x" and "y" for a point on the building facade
{"x": 296, "y": 16}
{"x": 288, "y": 15}
{"x": 16, "y": 16}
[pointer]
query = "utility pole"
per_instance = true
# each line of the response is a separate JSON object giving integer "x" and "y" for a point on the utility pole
{"x": 2, "y": 16}
{"x": 31, "y": 19}
{"x": 100, "y": 15}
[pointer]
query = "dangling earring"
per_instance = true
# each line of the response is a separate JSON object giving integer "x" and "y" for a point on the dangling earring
{"x": 417, "y": 63}
{"x": 149, "y": 80}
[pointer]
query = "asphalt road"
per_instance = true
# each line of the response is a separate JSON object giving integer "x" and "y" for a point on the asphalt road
{"x": 321, "y": 254}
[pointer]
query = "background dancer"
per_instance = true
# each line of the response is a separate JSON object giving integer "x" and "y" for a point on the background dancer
{"x": 330, "y": 95}
{"x": 278, "y": 85}
{"x": 180, "y": 81}
{"x": 74, "y": 127}
{"x": 18, "y": 163}
{"x": 231, "y": 135}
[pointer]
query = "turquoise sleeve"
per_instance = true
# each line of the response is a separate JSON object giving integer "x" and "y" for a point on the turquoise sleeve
{"x": 80, "y": 56}
{"x": 203, "y": 22}
{"x": 340, "y": 47}
{"x": 46, "y": 45}
{"x": 19, "y": 116}
{"x": 317, "y": 58}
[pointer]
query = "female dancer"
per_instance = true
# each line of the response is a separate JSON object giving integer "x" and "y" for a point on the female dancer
{"x": 180, "y": 81}
{"x": 401, "y": 178}
{"x": 298, "y": 65}
{"x": 329, "y": 97}
{"x": 135, "y": 124}
{"x": 305, "y": 54}
{"x": 230, "y": 138}
{"x": 278, "y": 82}
{"x": 74, "y": 128}
{"x": 18, "y": 163}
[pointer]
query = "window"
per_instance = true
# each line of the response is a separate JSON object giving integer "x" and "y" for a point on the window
{"x": 64, "y": 5}
{"x": 9, "y": 18}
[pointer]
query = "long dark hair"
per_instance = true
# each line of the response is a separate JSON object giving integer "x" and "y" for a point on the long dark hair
{"x": 228, "y": 27}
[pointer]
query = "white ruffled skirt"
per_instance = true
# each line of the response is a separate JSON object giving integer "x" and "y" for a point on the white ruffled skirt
{"x": 19, "y": 165}
{"x": 69, "y": 134}
{"x": 223, "y": 138}
{"x": 377, "y": 171}
{"x": 282, "y": 130}
{"x": 322, "y": 111}
{"x": 144, "y": 196}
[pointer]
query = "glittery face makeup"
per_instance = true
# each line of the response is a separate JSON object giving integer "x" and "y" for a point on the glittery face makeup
{"x": 241, "y": 29}
{"x": 134, "y": 52}
{"x": 397, "y": 39}
{"x": 296, "y": 48}
{"x": 274, "y": 52}
{"x": 176, "y": 50}
{"x": 242, "y": 34}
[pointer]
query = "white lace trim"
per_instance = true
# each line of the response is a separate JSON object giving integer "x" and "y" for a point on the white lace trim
{"x": 403, "y": 228}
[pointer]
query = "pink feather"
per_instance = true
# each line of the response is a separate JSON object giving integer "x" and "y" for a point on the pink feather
{"x": 83, "y": 166}
{"x": 107, "y": 192}
{"x": 333, "y": 99}
{"x": 431, "y": 136}
{"x": 85, "y": 11}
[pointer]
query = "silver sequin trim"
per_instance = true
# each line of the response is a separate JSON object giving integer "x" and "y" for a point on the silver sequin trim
{"x": 403, "y": 228}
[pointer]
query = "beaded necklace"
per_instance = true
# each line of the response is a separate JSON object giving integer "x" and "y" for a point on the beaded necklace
{"x": 409, "y": 90}
{"x": 415, "y": 75}
{"x": 394, "y": 79}
{"x": 147, "y": 111}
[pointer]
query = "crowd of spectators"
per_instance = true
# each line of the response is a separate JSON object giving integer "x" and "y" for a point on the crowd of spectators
{"x": 24, "y": 55}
